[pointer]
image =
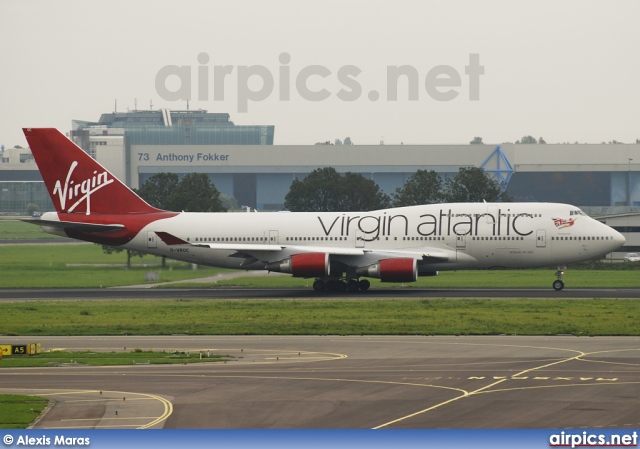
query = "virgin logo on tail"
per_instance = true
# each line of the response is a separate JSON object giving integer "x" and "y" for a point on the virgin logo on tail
{"x": 80, "y": 191}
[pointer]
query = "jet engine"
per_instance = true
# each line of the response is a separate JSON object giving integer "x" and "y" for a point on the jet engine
{"x": 305, "y": 265}
{"x": 401, "y": 269}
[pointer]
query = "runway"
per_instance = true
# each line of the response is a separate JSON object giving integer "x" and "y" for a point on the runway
{"x": 365, "y": 382}
{"x": 297, "y": 293}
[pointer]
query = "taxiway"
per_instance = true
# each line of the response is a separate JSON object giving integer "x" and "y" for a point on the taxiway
{"x": 346, "y": 382}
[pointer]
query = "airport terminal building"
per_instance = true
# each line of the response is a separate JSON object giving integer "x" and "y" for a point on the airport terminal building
{"x": 243, "y": 162}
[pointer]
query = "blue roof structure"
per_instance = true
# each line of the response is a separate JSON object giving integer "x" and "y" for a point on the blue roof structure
{"x": 498, "y": 167}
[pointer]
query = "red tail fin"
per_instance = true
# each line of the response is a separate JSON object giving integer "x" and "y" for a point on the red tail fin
{"x": 75, "y": 181}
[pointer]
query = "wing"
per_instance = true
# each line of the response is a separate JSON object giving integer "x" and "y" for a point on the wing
{"x": 319, "y": 261}
{"x": 75, "y": 226}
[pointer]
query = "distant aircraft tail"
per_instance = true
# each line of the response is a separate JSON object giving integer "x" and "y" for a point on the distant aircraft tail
{"x": 76, "y": 182}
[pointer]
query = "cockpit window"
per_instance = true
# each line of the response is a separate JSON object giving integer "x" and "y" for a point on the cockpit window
{"x": 577, "y": 212}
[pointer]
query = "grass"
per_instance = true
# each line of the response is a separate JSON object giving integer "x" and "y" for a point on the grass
{"x": 78, "y": 265}
{"x": 137, "y": 356}
{"x": 321, "y": 317}
{"x": 11, "y": 229}
{"x": 17, "y": 411}
{"x": 84, "y": 265}
{"x": 541, "y": 278}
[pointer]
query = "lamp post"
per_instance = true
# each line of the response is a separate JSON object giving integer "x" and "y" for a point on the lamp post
{"x": 629, "y": 184}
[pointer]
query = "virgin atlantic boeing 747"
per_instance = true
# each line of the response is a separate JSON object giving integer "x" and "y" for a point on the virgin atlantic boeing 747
{"x": 338, "y": 249}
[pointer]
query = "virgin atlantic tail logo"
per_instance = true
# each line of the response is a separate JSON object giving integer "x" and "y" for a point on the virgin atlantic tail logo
{"x": 80, "y": 191}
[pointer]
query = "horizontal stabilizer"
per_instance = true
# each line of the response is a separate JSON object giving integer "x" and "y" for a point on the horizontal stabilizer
{"x": 76, "y": 226}
{"x": 171, "y": 239}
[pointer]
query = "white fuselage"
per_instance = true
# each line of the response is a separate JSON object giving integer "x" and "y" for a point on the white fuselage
{"x": 461, "y": 235}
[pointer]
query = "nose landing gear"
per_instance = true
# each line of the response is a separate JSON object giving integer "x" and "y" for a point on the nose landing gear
{"x": 558, "y": 284}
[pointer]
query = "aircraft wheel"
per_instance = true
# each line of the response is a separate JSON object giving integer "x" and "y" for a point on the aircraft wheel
{"x": 558, "y": 285}
{"x": 318, "y": 285}
{"x": 341, "y": 286}
{"x": 332, "y": 285}
{"x": 364, "y": 285}
{"x": 353, "y": 285}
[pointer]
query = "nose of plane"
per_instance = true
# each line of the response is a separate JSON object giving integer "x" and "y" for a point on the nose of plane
{"x": 615, "y": 238}
{"x": 618, "y": 239}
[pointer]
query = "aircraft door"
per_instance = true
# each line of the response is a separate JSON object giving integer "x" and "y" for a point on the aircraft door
{"x": 541, "y": 238}
{"x": 151, "y": 240}
{"x": 461, "y": 246}
{"x": 359, "y": 239}
{"x": 273, "y": 238}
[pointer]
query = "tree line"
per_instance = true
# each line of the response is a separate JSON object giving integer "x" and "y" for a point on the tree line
{"x": 325, "y": 190}
{"x": 193, "y": 193}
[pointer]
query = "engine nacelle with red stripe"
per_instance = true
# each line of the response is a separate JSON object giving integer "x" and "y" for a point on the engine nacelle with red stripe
{"x": 401, "y": 269}
{"x": 305, "y": 265}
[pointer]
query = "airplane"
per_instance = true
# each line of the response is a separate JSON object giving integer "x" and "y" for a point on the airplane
{"x": 338, "y": 249}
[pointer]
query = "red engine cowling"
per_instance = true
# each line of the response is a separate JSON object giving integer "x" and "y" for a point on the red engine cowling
{"x": 401, "y": 269}
{"x": 305, "y": 265}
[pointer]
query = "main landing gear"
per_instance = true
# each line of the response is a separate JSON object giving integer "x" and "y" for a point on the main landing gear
{"x": 558, "y": 284}
{"x": 341, "y": 285}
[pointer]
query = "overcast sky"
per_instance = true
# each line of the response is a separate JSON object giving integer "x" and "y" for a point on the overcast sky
{"x": 567, "y": 71}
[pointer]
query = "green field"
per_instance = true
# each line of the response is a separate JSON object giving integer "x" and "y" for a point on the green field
{"x": 135, "y": 357}
{"x": 84, "y": 265}
{"x": 77, "y": 265}
{"x": 541, "y": 278}
{"x": 323, "y": 316}
{"x": 12, "y": 229}
{"x": 17, "y": 412}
